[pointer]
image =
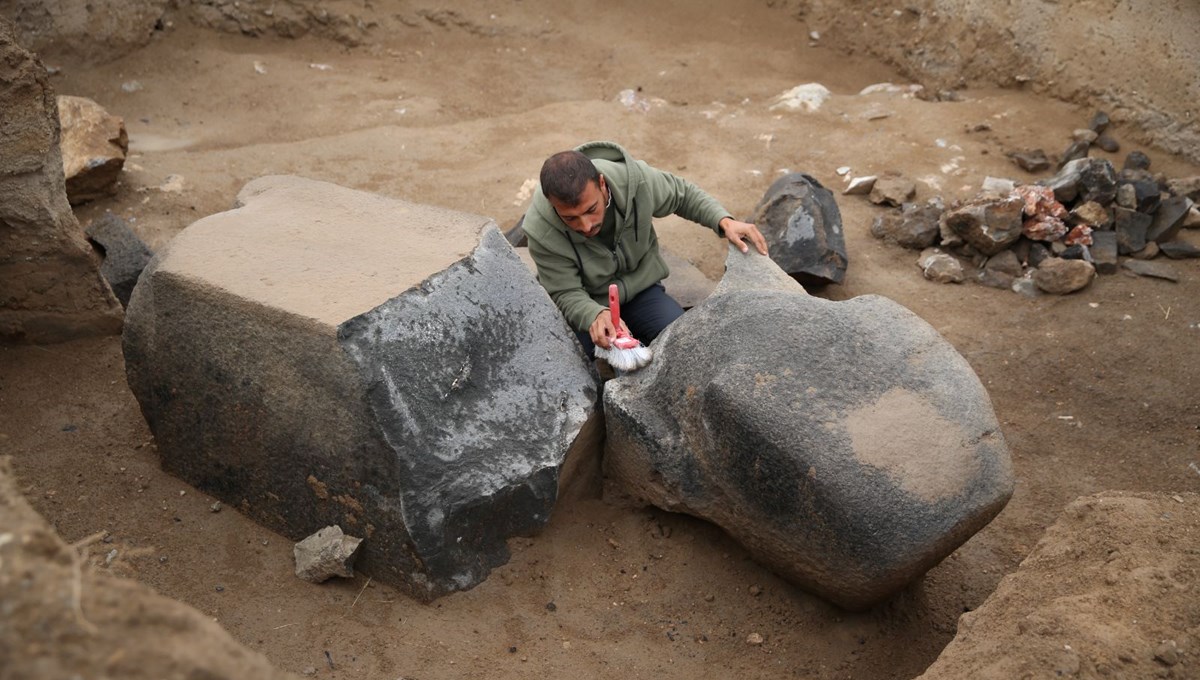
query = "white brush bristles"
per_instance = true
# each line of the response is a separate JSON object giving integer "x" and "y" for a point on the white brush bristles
{"x": 626, "y": 360}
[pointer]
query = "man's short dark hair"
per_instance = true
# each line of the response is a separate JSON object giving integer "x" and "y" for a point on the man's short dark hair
{"x": 566, "y": 174}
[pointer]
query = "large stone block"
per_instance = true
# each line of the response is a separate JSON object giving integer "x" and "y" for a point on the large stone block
{"x": 847, "y": 445}
{"x": 322, "y": 356}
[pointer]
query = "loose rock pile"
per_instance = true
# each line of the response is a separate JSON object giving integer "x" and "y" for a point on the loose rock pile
{"x": 1052, "y": 236}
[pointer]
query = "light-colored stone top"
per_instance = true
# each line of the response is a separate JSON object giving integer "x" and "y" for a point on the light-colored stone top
{"x": 319, "y": 250}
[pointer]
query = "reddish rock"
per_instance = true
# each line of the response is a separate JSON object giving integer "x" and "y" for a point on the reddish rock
{"x": 1079, "y": 236}
{"x": 1045, "y": 228}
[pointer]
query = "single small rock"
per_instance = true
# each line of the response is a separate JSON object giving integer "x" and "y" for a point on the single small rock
{"x": 1136, "y": 160}
{"x": 998, "y": 186}
{"x": 1084, "y": 135}
{"x": 1080, "y": 235}
{"x": 1127, "y": 196}
{"x": 1179, "y": 250}
{"x": 1045, "y": 228}
{"x": 125, "y": 255}
{"x": 94, "y": 144}
{"x": 860, "y": 186}
{"x": 1058, "y": 248}
{"x": 1077, "y": 151}
{"x": 1006, "y": 262}
{"x": 1147, "y": 196}
{"x": 1098, "y": 181}
{"x": 943, "y": 268}
{"x": 988, "y": 224}
{"x": 994, "y": 279}
{"x": 1131, "y": 227}
{"x": 1060, "y": 277}
{"x": 843, "y": 171}
{"x": 1149, "y": 252}
{"x": 1092, "y": 214}
{"x": 215, "y": 507}
{"x": 1158, "y": 270}
{"x": 916, "y": 226}
{"x": 1107, "y": 143}
{"x": 1167, "y": 653}
{"x": 326, "y": 553}
{"x": 754, "y": 640}
{"x": 1168, "y": 219}
{"x": 1038, "y": 254}
{"x": 1030, "y": 160}
{"x": 1099, "y": 122}
{"x": 754, "y": 591}
{"x": 892, "y": 190}
{"x": 1104, "y": 252}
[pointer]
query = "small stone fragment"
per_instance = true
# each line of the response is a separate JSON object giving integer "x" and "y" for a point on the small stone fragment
{"x": 1006, "y": 262}
{"x": 1030, "y": 160}
{"x": 1084, "y": 135}
{"x": 1127, "y": 196}
{"x": 1038, "y": 254}
{"x": 1099, "y": 122}
{"x": 1092, "y": 214}
{"x": 1044, "y": 228}
{"x": 1060, "y": 277}
{"x": 1080, "y": 235}
{"x": 1130, "y": 227}
{"x": 1158, "y": 270}
{"x": 754, "y": 640}
{"x": 1136, "y": 160}
{"x": 326, "y": 553}
{"x": 754, "y": 591}
{"x": 860, "y": 186}
{"x": 1185, "y": 186}
{"x": 1168, "y": 219}
{"x": 1077, "y": 151}
{"x": 1108, "y": 144}
{"x": 942, "y": 268}
{"x": 1104, "y": 252}
{"x": 1192, "y": 220}
{"x": 915, "y": 226}
{"x": 988, "y": 224}
{"x": 1025, "y": 286}
{"x": 215, "y": 507}
{"x": 1179, "y": 250}
{"x": 892, "y": 190}
{"x": 998, "y": 186}
{"x": 995, "y": 279}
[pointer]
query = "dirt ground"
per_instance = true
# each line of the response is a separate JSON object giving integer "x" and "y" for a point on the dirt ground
{"x": 1094, "y": 391}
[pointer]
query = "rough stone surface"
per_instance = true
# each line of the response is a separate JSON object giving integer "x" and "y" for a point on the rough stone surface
{"x": 1006, "y": 262}
{"x": 1130, "y": 227}
{"x": 1179, "y": 250}
{"x": 849, "y": 471}
{"x": 988, "y": 225}
{"x": 1092, "y": 214}
{"x": 63, "y": 621}
{"x": 1097, "y": 181}
{"x": 1077, "y": 150}
{"x": 125, "y": 255}
{"x": 1185, "y": 186}
{"x": 312, "y": 375}
{"x": 1168, "y": 219}
{"x": 893, "y": 190}
{"x": 803, "y": 227}
{"x": 916, "y": 226}
{"x": 1107, "y": 143}
{"x": 1104, "y": 252}
{"x": 327, "y": 553}
{"x": 91, "y": 30}
{"x": 51, "y": 289}
{"x": 1033, "y": 160}
{"x": 1157, "y": 270}
{"x": 1065, "y": 183}
{"x": 1148, "y": 253}
{"x": 94, "y": 144}
{"x": 1059, "y": 276}
{"x": 942, "y": 268}
{"x": 1136, "y": 160}
{"x": 1106, "y": 553}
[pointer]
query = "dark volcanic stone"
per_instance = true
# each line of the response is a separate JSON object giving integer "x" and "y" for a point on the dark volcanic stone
{"x": 1168, "y": 219}
{"x": 125, "y": 255}
{"x": 803, "y": 227}
{"x": 1179, "y": 250}
{"x": 1158, "y": 270}
{"x": 1038, "y": 254}
{"x": 1030, "y": 160}
{"x": 1130, "y": 227}
{"x": 1136, "y": 160}
{"x": 1076, "y": 151}
{"x": 1099, "y": 122}
{"x": 1108, "y": 144}
{"x": 1098, "y": 182}
{"x": 915, "y": 226}
{"x": 1075, "y": 252}
{"x": 1147, "y": 195}
{"x": 1104, "y": 251}
{"x": 849, "y": 471}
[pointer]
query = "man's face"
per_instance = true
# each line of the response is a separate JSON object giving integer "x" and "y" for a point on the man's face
{"x": 587, "y": 216}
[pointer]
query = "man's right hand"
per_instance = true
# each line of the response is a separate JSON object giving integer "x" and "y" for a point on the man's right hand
{"x": 603, "y": 330}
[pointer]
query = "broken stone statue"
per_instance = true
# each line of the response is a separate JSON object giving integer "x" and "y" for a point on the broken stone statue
{"x": 847, "y": 445}
{"x": 323, "y": 356}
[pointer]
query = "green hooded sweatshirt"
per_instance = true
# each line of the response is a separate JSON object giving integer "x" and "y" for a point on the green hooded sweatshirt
{"x": 576, "y": 271}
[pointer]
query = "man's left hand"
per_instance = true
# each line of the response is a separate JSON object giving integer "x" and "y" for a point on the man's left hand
{"x": 735, "y": 231}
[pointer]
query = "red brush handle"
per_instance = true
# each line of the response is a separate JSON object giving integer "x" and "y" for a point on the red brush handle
{"x": 614, "y": 304}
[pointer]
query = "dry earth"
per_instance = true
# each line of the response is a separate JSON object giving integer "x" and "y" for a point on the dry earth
{"x": 1095, "y": 390}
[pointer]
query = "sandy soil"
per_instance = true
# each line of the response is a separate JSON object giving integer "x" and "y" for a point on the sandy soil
{"x": 1094, "y": 391}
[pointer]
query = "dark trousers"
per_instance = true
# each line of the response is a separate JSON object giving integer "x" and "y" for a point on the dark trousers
{"x": 647, "y": 314}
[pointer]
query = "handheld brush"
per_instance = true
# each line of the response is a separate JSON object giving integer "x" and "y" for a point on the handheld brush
{"x": 625, "y": 353}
